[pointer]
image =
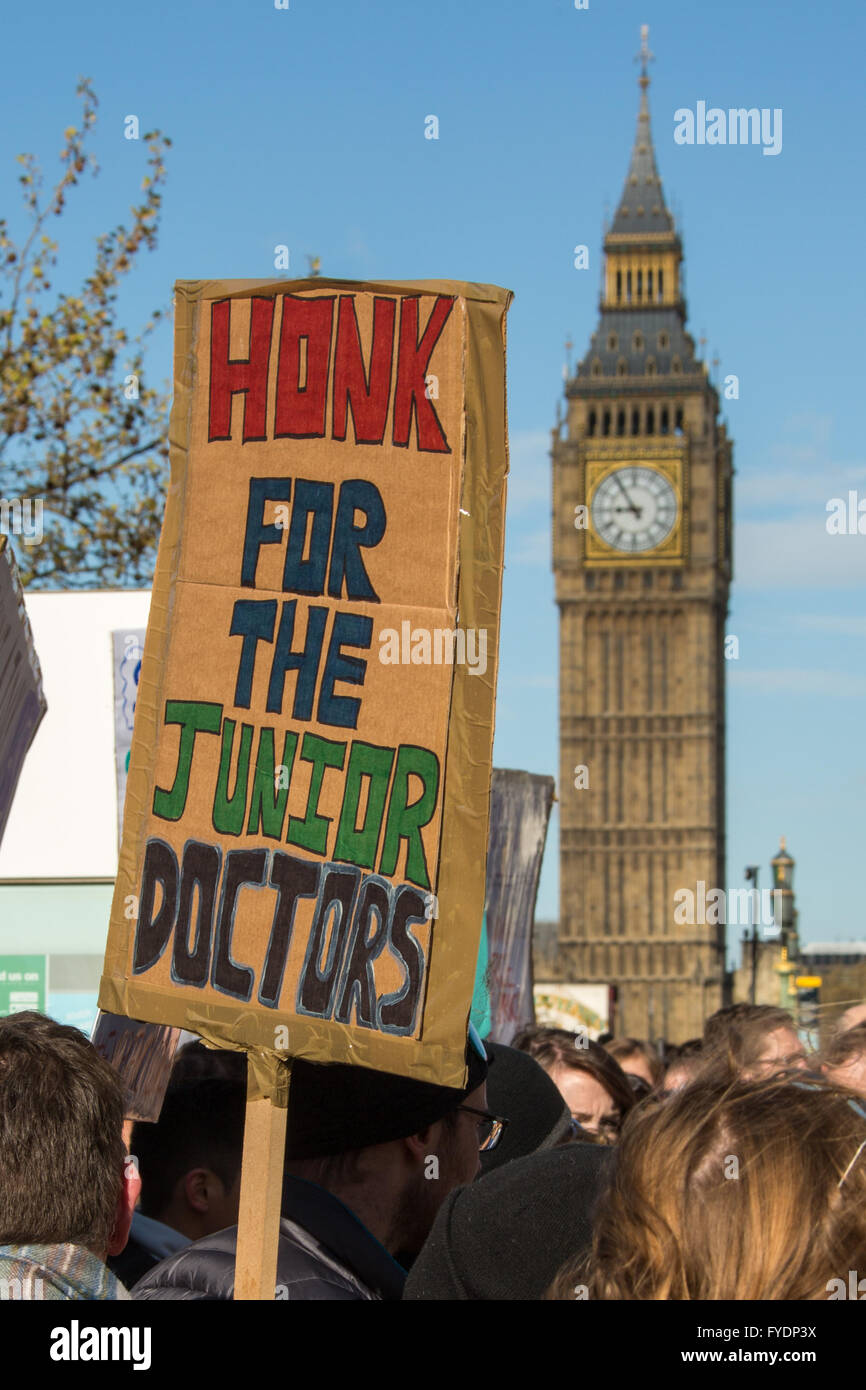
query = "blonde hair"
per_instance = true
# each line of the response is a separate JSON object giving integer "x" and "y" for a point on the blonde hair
{"x": 743, "y": 1191}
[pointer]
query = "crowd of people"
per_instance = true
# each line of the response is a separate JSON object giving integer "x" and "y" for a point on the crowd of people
{"x": 730, "y": 1167}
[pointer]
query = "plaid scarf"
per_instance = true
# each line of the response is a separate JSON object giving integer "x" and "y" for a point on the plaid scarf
{"x": 55, "y": 1272}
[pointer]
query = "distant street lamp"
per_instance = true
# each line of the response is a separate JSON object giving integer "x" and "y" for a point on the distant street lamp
{"x": 752, "y": 877}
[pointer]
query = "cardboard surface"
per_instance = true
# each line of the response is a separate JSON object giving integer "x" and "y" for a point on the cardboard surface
{"x": 305, "y": 834}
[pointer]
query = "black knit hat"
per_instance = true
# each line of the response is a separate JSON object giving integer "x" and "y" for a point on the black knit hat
{"x": 520, "y": 1090}
{"x": 507, "y": 1236}
{"x": 334, "y": 1107}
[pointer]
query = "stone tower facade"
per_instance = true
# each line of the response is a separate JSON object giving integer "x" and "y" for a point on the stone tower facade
{"x": 642, "y": 474}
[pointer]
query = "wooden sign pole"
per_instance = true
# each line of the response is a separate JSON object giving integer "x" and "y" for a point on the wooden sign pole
{"x": 261, "y": 1194}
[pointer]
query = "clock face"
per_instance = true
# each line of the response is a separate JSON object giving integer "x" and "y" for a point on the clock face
{"x": 634, "y": 509}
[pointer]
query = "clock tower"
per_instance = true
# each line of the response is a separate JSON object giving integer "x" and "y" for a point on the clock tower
{"x": 642, "y": 560}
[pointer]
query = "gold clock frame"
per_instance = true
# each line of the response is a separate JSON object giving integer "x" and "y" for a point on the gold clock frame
{"x": 668, "y": 459}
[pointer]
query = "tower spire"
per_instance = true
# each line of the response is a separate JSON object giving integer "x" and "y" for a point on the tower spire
{"x": 644, "y": 57}
{"x": 642, "y": 206}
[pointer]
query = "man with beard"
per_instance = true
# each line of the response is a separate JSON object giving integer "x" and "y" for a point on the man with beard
{"x": 370, "y": 1157}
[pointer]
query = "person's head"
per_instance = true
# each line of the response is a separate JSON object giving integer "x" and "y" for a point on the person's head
{"x": 752, "y": 1041}
{"x": 743, "y": 1191}
{"x": 390, "y": 1147}
{"x": 685, "y": 1062}
{"x": 533, "y": 1035}
{"x": 195, "y": 1062}
{"x": 591, "y": 1082}
{"x": 190, "y": 1160}
{"x": 538, "y": 1117}
{"x": 637, "y": 1058}
{"x": 852, "y": 1017}
{"x": 843, "y": 1060}
{"x": 63, "y": 1175}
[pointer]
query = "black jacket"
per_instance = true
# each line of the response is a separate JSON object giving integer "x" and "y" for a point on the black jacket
{"x": 324, "y": 1253}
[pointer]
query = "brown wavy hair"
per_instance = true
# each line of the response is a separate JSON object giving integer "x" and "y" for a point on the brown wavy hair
{"x": 626, "y": 1049}
{"x": 744, "y": 1191}
{"x": 556, "y": 1047}
{"x": 61, "y": 1136}
{"x": 845, "y": 1047}
{"x": 734, "y": 1037}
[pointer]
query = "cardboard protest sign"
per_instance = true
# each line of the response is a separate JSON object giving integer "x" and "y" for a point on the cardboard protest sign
{"x": 520, "y": 805}
{"x": 577, "y": 1008}
{"x": 127, "y": 649}
{"x": 142, "y": 1054}
{"x": 305, "y": 832}
{"x": 22, "y": 702}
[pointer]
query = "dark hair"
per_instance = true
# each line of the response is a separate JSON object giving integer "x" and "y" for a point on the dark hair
{"x": 560, "y": 1048}
{"x": 623, "y": 1049}
{"x": 537, "y": 1035}
{"x": 194, "y": 1062}
{"x": 61, "y": 1136}
{"x": 675, "y": 1052}
{"x": 201, "y": 1125}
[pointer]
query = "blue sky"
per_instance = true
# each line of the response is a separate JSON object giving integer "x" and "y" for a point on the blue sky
{"x": 306, "y": 127}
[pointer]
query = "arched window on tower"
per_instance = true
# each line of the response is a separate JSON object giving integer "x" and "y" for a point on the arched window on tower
{"x": 665, "y": 427}
{"x": 661, "y": 285}
{"x": 649, "y": 285}
{"x": 650, "y": 366}
{"x": 596, "y": 366}
{"x": 635, "y": 421}
{"x": 622, "y": 367}
{"x": 605, "y": 423}
{"x": 678, "y": 420}
{"x": 628, "y": 286}
{"x": 619, "y": 286}
{"x": 640, "y": 285}
{"x": 650, "y": 421}
{"x": 620, "y": 422}
{"x": 676, "y": 366}
{"x": 593, "y": 421}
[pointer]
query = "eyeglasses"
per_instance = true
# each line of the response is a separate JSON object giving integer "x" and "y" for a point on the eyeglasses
{"x": 607, "y": 1132}
{"x": 490, "y": 1132}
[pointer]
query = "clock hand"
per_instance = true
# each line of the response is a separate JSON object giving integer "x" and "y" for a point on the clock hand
{"x": 631, "y": 505}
